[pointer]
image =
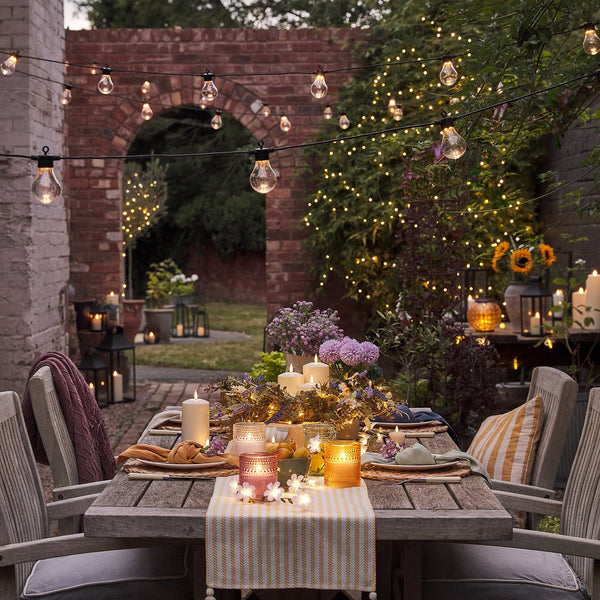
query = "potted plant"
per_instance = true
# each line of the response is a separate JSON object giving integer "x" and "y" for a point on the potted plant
{"x": 158, "y": 293}
{"x": 182, "y": 288}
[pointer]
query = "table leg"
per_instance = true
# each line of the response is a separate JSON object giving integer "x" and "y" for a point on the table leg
{"x": 412, "y": 566}
{"x": 199, "y": 562}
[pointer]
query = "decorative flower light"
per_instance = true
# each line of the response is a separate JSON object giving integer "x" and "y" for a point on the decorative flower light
{"x": 295, "y": 483}
{"x": 303, "y": 499}
{"x": 314, "y": 445}
{"x": 273, "y": 492}
{"x": 245, "y": 492}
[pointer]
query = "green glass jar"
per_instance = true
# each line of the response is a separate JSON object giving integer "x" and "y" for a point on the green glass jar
{"x": 325, "y": 433}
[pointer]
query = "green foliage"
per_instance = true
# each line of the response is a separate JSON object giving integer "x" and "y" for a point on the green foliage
{"x": 160, "y": 286}
{"x": 549, "y": 524}
{"x": 269, "y": 367}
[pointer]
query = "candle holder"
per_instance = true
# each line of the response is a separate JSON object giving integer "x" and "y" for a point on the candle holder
{"x": 258, "y": 469}
{"x": 250, "y": 436}
{"x": 484, "y": 315}
{"x": 342, "y": 464}
{"x": 326, "y": 433}
{"x": 536, "y": 308}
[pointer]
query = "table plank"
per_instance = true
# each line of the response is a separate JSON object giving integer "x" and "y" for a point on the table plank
{"x": 387, "y": 495}
{"x": 430, "y": 496}
{"x": 166, "y": 494}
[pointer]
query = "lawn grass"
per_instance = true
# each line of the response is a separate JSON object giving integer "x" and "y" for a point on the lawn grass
{"x": 228, "y": 355}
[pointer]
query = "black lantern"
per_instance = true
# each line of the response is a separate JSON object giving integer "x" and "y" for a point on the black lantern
{"x": 121, "y": 377}
{"x": 151, "y": 334}
{"x": 95, "y": 373}
{"x": 201, "y": 326}
{"x": 183, "y": 320}
{"x": 473, "y": 284}
{"x": 536, "y": 308}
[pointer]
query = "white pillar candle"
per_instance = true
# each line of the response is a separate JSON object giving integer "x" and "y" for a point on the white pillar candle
{"x": 290, "y": 381}
{"x": 195, "y": 420}
{"x": 96, "y": 322}
{"x": 534, "y": 324}
{"x": 319, "y": 371}
{"x": 557, "y": 300}
{"x": 112, "y": 299}
{"x": 397, "y": 436}
{"x": 179, "y": 330}
{"x": 117, "y": 383}
{"x": 470, "y": 301}
{"x": 578, "y": 300}
{"x": 592, "y": 299}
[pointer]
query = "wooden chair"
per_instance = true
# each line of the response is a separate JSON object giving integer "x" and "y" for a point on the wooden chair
{"x": 531, "y": 565}
{"x": 115, "y": 568}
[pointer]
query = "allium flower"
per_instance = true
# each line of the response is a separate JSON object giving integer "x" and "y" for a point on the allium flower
{"x": 351, "y": 353}
{"x": 273, "y": 492}
{"x": 329, "y": 351}
{"x": 370, "y": 353}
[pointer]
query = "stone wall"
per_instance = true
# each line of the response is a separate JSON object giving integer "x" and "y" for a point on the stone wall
{"x": 34, "y": 266}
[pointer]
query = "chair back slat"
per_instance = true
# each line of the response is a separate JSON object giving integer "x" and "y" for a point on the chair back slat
{"x": 580, "y": 516}
{"x": 23, "y": 514}
{"x": 53, "y": 428}
{"x": 559, "y": 394}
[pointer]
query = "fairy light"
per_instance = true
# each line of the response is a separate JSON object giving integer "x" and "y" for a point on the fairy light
{"x": 106, "y": 85}
{"x": 147, "y": 112}
{"x": 209, "y": 90}
{"x": 319, "y": 88}
{"x": 66, "y": 96}
{"x": 9, "y": 64}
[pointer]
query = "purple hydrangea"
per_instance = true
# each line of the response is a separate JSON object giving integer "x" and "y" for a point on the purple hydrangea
{"x": 351, "y": 353}
{"x": 216, "y": 447}
{"x": 329, "y": 351}
{"x": 370, "y": 353}
{"x": 389, "y": 450}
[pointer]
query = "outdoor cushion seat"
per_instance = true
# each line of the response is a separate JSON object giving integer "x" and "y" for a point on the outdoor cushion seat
{"x": 459, "y": 571}
{"x": 129, "y": 574}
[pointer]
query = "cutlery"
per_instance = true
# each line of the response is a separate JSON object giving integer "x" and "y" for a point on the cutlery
{"x": 440, "y": 479}
{"x": 164, "y": 431}
{"x": 159, "y": 476}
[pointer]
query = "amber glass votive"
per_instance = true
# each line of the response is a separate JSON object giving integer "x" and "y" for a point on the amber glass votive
{"x": 250, "y": 436}
{"x": 342, "y": 463}
{"x": 258, "y": 469}
{"x": 326, "y": 433}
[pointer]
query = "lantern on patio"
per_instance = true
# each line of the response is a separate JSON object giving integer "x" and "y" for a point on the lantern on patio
{"x": 201, "y": 326}
{"x": 473, "y": 284}
{"x": 151, "y": 334}
{"x": 342, "y": 463}
{"x": 121, "y": 370}
{"x": 484, "y": 315}
{"x": 258, "y": 469}
{"x": 95, "y": 373}
{"x": 536, "y": 307}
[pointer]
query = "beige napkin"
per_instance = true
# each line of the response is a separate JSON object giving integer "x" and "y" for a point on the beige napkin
{"x": 187, "y": 452}
{"x": 416, "y": 454}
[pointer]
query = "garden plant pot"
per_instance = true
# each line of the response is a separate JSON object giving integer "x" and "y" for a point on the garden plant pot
{"x": 162, "y": 318}
{"x": 512, "y": 299}
{"x": 132, "y": 318}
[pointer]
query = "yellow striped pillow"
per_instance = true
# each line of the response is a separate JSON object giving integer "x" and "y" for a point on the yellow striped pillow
{"x": 506, "y": 444}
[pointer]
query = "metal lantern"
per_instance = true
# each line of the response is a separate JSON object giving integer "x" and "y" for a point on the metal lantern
{"x": 484, "y": 315}
{"x": 121, "y": 376}
{"x": 536, "y": 308}
{"x": 95, "y": 373}
{"x": 473, "y": 284}
{"x": 183, "y": 320}
{"x": 201, "y": 326}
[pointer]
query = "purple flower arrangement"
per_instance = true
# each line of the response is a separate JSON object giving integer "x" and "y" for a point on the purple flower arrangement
{"x": 347, "y": 355}
{"x": 302, "y": 328}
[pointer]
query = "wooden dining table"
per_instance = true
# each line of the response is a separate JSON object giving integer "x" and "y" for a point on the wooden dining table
{"x": 406, "y": 516}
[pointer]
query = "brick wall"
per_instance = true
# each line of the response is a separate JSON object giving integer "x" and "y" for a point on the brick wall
{"x": 34, "y": 267}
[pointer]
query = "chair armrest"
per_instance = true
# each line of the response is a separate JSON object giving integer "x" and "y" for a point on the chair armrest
{"x": 551, "y": 542}
{"x": 70, "y": 507}
{"x": 521, "y": 488}
{"x": 531, "y": 504}
{"x": 82, "y": 489}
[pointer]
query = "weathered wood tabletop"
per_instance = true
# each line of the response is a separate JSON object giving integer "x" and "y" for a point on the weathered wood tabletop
{"x": 405, "y": 515}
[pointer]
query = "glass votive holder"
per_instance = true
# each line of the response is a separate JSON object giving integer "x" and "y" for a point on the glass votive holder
{"x": 326, "y": 433}
{"x": 342, "y": 463}
{"x": 258, "y": 469}
{"x": 250, "y": 436}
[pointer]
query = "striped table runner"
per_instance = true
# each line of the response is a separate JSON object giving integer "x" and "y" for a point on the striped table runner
{"x": 273, "y": 545}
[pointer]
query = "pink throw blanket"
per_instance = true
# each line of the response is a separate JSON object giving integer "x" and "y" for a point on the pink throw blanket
{"x": 95, "y": 459}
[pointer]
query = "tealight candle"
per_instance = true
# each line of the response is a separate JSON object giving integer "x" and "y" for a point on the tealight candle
{"x": 195, "y": 420}
{"x": 258, "y": 469}
{"x": 397, "y": 436}
{"x": 249, "y": 436}
{"x": 117, "y": 382}
{"x": 342, "y": 463}
{"x": 290, "y": 381}
{"x": 307, "y": 386}
{"x": 316, "y": 371}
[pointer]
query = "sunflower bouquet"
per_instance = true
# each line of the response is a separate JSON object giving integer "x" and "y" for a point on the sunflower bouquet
{"x": 524, "y": 259}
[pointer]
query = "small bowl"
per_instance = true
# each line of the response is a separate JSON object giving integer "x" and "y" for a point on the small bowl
{"x": 286, "y": 467}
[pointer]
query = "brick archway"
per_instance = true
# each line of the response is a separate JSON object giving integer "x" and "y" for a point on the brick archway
{"x": 106, "y": 125}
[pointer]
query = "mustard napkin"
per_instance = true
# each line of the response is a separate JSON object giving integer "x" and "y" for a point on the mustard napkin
{"x": 187, "y": 452}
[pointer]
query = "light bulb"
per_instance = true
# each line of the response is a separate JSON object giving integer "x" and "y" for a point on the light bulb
{"x": 147, "y": 112}
{"x": 453, "y": 145}
{"x": 145, "y": 87}
{"x": 344, "y": 121}
{"x": 216, "y": 122}
{"x": 45, "y": 188}
{"x": 263, "y": 178}
{"x": 448, "y": 74}
{"x": 66, "y": 95}
{"x": 209, "y": 89}
{"x": 265, "y": 111}
{"x": 203, "y": 104}
{"x": 591, "y": 41}
{"x": 284, "y": 123}
{"x": 398, "y": 113}
{"x": 94, "y": 68}
{"x": 9, "y": 65}
{"x": 392, "y": 105}
{"x": 319, "y": 88}
{"x": 106, "y": 85}
{"x": 328, "y": 112}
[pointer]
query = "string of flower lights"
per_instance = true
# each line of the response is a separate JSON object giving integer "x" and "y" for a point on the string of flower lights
{"x": 263, "y": 178}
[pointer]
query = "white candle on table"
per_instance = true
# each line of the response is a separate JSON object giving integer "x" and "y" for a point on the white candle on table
{"x": 117, "y": 381}
{"x": 592, "y": 299}
{"x": 308, "y": 386}
{"x": 290, "y": 381}
{"x": 397, "y": 436}
{"x": 470, "y": 301}
{"x": 195, "y": 420}
{"x": 112, "y": 299}
{"x": 534, "y": 324}
{"x": 578, "y": 300}
{"x": 319, "y": 371}
{"x": 557, "y": 300}
{"x": 96, "y": 322}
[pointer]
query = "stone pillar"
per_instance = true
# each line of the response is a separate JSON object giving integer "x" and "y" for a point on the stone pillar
{"x": 34, "y": 249}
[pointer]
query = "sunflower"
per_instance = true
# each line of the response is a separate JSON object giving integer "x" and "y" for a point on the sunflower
{"x": 521, "y": 261}
{"x": 500, "y": 251}
{"x": 548, "y": 256}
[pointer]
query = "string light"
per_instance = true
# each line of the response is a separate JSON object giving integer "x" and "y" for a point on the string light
{"x": 344, "y": 121}
{"x": 217, "y": 122}
{"x": 319, "y": 88}
{"x": 285, "y": 124}
{"x": 265, "y": 110}
{"x": 328, "y": 112}
{"x": 591, "y": 41}
{"x": 9, "y": 65}
{"x": 106, "y": 85}
{"x": 147, "y": 112}
{"x": 66, "y": 96}
{"x": 448, "y": 74}
{"x": 45, "y": 188}
{"x": 392, "y": 105}
{"x": 94, "y": 68}
{"x": 209, "y": 89}
{"x": 453, "y": 145}
{"x": 398, "y": 113}
{"x": 263, "y": 178}
{"x": 145, "y": 87}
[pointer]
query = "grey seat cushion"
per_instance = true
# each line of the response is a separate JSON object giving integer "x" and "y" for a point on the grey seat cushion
{"x": 462, "y": 571}
{"x": 132, "y": 574}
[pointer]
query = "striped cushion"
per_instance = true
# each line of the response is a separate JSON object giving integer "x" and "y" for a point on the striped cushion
{"x": 506, "y": 444}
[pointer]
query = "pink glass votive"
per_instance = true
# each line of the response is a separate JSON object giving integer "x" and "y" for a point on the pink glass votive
{"x": 250, "y": 436}
{"x": 258, "y": 469}
{"x": 342, "y": 463}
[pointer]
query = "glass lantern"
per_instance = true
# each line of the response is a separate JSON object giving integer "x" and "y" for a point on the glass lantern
{"x": 250, "y": 436}
{"x": 258, "y": 469}
{"x": 342, "y": 464}
{"x": 536, "y": 308}
{"x": 484, "y": 315}
{"x": 326, "y": 433}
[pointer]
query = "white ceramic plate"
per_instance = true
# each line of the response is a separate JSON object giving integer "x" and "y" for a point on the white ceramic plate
{"x": 404, "y": 425}
{"x": 395, "y": 467}
{"x": 182, "y": 467}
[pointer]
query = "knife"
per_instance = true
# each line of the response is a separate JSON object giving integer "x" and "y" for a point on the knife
{"x": 159, "y": 476}
{"x": 164, "y": 431}
{"x": 440, "y": 479}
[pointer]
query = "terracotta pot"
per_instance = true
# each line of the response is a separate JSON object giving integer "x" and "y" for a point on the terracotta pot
{"x": 132, "y": 318}
{"x": 512, "y": 300}
{"x": 297, "y": 361}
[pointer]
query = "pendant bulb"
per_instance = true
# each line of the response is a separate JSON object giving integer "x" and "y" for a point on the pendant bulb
{"x": 217, "y": 122}
{"x": 9, "y": 65}
{"x": 209, "y": 89}
{"x": 66, "y": 96}
{"x": 391, "y": 105}
{"x": 106, "y": 85}
{"x": 328, "y": 112}
{"x": 398, "y": 113}
{"x": 453, "y": 145}
{"x": 591, "y": 41}
{"x": 147, "y": 112}
{"x": 344, "y": 121}
{"x": 319, "y": 88}
{"x": 285, "y": 124}
{"x": 145, "y": 87}
{"x": 263, "y": 178}
{"x": 265, "y": 111}
{"x": 45, "y": 188}
{"x": 448, "y": 74}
